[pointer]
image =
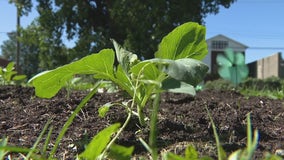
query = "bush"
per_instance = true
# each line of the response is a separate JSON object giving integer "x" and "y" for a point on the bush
{"x": 219, "y": 84}
{"x": 271, "y": 83}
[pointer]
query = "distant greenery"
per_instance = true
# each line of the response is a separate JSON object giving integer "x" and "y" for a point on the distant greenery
{"x": 272, "y": 87}
{"x": 8, "y": 75}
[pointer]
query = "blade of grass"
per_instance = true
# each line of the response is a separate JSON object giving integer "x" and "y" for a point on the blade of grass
{"x": 71, "y": 118}
{"x": 3, "y": 142}
{"x": 252, "y": 142}
{"x": 15, "y": 149}
{"x": 38, "y": 139}
{"x": 220, "y": 150}
{"x": 47, "y": 141}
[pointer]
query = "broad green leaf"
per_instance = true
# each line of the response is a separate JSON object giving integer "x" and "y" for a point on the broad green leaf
{"x": 185, "y": 41}
{"x": 10, "y": 67}
{"x": 119, "y": 152}
{"x": 99, "y": 142}
{"x": 188, "y": 70}
{"x": 146, "y": 70}
{"x": 123, "y": 80}
{"x": 48, "y": 83}
{"x": 175, "y": 86}
{"x": 19, "y": 77}
{"x": 125, "y": 58}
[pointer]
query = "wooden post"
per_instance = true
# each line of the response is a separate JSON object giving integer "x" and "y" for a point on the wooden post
{"x": 18, "y": 35}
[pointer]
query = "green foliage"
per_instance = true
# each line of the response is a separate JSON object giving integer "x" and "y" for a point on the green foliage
{"x": 25, "y": 6}
{"x": 252, "y": 142}
{"x": 219, "y": 84}
{"x": 190, "y": 154}
{"x": 140, "y": 79}
{"x": 8, "y": 75}
{"x": 39, "y": 51}
{"x": 188, "y": 43}
{"x": 232, "y": 66}
{"x": 271, "y": 83}
{"x": 138, "y": 25}
{"x": 31, "y": 153}
{"x": 220, "y": 151}
{"x": 48, "y": 83}
{"x": 119, "y": 152}
{"x": 99, "y": 142}
{"x": 3, "y": 143}
{"x": 272, "y": 87}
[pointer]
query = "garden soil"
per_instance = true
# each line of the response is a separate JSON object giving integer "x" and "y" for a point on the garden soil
{"x": 183, "y": 121}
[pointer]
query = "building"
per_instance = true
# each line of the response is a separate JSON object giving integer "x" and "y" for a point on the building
{"x": 217, "y": 45}
{"x": 3, "y": 62}
{"x": 271, "y": 66}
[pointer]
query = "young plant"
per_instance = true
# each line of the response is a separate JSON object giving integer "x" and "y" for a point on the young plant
{"x": 252, "y": 142}
{"x": 175, "y": 68}
{"x": 8, "y": 75}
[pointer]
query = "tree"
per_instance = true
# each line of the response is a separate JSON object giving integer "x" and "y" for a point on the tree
{"x": 138, "y": 25}
{"x": 28, "y": 57}
{"x": 38, "y": 50}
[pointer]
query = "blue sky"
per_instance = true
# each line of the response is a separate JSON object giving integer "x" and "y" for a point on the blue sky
{"x": 258, "y": 24}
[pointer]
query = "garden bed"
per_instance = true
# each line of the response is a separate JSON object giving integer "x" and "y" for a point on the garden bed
{"x": 183, "y": 120}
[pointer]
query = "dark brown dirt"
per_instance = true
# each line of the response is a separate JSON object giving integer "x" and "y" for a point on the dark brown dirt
{"x": 183, "y": 120}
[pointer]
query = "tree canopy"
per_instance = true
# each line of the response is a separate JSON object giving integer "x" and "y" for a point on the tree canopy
{"x": 138, "y": 25}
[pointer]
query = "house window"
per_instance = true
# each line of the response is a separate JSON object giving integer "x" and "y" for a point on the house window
{"x": 220, "y": 44}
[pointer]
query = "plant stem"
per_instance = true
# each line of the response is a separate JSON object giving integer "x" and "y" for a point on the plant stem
{"x": 153, "y": 127}
{"x": 118, "y": 133}
{"x": 141, "y": 116}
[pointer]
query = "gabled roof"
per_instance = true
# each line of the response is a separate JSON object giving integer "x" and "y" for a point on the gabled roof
{"x": 229, "y": 39}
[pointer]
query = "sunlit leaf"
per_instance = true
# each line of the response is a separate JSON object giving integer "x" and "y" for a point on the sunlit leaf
{"x": 10, "y": 67}
{"x": 119, "y": 152}
{"x": 99, "y": 142}
{"x": 125, "y": 58}
{"x": 191, "y": 153}
{"x": 185, "y": 41}
{"x": 48, "y": 83}
{"x": 19, "y": 77}
{"x": 104, "y": 109}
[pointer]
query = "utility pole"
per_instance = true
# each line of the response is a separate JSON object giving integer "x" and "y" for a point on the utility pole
{"x": 18, "y": 69}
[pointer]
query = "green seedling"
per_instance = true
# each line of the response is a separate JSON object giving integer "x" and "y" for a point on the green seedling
{"x": 175, "y": 68}
{"x": 220, "y": 151}
{"x": 8, "y": 75}
{"x": 190, "y": 154}
{"x": 232, "y": 66}
{"x": 252, "y": 142}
